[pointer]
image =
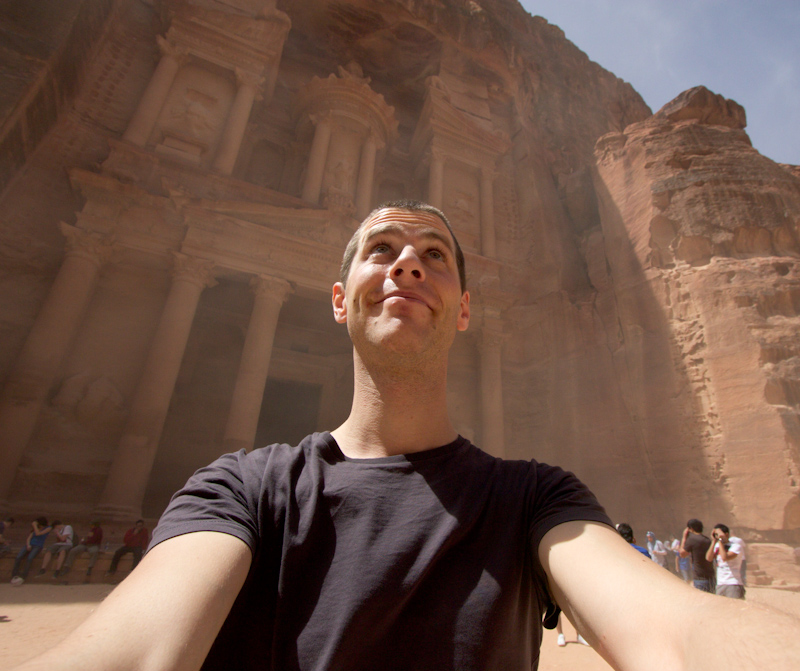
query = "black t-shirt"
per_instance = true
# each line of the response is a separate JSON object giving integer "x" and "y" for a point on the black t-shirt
{"x": 697, "y": 545}
{"x": 418, "y": 561}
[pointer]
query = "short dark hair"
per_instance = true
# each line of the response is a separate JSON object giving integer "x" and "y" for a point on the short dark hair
{"x": 724, "y": 528}
{"x": 625, "y": 531}
{"x": 11, "y": 520}
{"x": 138, "y": 521}
{"x": 412, "y": 206}
{"x": 695, "y": 525}
{"x": 41, "y": 521}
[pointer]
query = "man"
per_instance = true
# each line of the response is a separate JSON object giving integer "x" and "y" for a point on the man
{"x": 59, "y": 549}
{"x": 658, "y": 553}
{"x": 134, "y": 542}
{"x": 683, "y": 565}
{"x": 626, "y": 531}
{"x": 90, "y": 544}
{"x": 695, "y": 544}
{"x": 33, "y": 546}
{"x": 727, "y": 554}
{"x": 391, "y": 542}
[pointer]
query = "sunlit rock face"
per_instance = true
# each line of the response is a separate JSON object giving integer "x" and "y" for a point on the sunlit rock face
{"x": 180, "y": 178}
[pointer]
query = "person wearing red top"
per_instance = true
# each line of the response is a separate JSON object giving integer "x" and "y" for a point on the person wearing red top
{"x": 90, "y": 544}
{"x": 135, "y": 542}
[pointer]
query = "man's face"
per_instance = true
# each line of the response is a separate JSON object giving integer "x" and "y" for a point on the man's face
{"x": 403, "y": 292}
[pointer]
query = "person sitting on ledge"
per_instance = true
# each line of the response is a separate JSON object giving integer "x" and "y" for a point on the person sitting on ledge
{"x": 63, "y": 544}
{"x": 33, "y": 546}
{"x": 394, "y": 543}
{"x": 134, "y": 542}
{"x": 90, "y": 544}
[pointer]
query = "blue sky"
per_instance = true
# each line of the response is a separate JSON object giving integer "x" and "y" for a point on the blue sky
{"x": 747, "y": 50}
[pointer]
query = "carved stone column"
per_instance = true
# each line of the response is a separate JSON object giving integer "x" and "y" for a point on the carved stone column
{"x": 231, "y": 141}
{"x": 366, "y": 176}
{"x": 436, "y": 180}
{"x": 317, "y": 159}
{"x": 48, "y": 342}
{"x": 130, "y": 471}
{"x": 141, "y": 125}
{"x": 492, "y": 423}
{"x": 248, "y": 393}
{"x": 488, "y": 235}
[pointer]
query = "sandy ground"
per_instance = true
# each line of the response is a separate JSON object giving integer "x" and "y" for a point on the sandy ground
{"x": 34, "y": 617}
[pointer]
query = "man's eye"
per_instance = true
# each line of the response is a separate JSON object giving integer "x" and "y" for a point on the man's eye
{"x": 436, "y": 254}
{"x": 380, "y": 248}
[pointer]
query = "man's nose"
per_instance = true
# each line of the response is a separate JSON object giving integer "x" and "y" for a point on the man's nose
{"x": 408, "y": 263}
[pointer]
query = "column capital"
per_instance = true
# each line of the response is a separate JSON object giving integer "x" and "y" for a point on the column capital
{"x": 488, "y": 172}
{"x": 249, "y": 79}
{"x": 320, "y": 118}
{"x": 267, "y": 286}
{"x": 93, "y": 247}
{"x": 194, "y": 270}
{"x": 172, "y": 50}
{"x": 438, "y": 155}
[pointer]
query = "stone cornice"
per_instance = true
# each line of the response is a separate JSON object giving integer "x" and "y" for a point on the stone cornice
{"x": 441, "y": 126}
{"x": 244, "y": 247}
{"x": 231, "y": 40}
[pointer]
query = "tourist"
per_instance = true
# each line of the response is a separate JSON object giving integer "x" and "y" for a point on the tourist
{"x": 134, "y": 542}
{"x": 683, "y": 565}
{"x": 90, "y": 544}
{"x": 33, "y": 546}
{"x": 626, "y": 531}
{"x": 658, "y": 553}
{"x": 392, "y": 542}
{"x": 727, "y": 553}
{"x": 63, "y": 544}
{"x": 5, "y": 525}
{"x": 695, "y": 544}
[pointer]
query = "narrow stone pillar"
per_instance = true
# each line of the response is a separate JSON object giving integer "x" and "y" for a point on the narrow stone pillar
{"x": 436, "y": 180}
{"x": 48, "y": 342}
{"x": 492, "y": 423}
{"x": 317, "y": 159}
{"x": 248, "y": 393}
{"x": 366, "y": 176}
{"x": 236, "y": 125}
{"x": 130, "y": 471}
{"x": 141, "y": 125}
{"x": 488, "y": 235}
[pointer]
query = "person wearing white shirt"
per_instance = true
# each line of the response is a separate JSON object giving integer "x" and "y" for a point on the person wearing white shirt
{"x": 727, "y": 553}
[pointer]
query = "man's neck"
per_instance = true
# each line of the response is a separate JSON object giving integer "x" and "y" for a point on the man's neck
{"x": 395, "y": 412}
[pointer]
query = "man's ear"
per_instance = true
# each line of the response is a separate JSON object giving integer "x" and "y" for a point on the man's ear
{"x": 339, "y": 304}
{"x": 463, "y": 315}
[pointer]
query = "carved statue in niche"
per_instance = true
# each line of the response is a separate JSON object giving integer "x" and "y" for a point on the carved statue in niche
{"x": 343, "y": 174}
{"x": 194, "y": 114}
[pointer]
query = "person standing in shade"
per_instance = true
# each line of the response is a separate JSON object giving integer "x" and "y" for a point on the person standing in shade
{"x": 695, "y": 544}
{"x": 727, "y": 553}
{"x": 135, "y": 543}
{"x": 658, "y": 553}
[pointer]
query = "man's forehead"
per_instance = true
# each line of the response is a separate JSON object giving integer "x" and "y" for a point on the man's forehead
{"x": 397, "y": 220}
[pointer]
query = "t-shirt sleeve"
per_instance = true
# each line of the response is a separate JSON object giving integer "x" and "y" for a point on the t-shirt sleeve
{"x": 219, "y": 497}
{"x": 560, "y": 497}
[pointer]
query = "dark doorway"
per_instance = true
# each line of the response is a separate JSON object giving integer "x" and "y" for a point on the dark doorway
{"x": 289, "y": 412}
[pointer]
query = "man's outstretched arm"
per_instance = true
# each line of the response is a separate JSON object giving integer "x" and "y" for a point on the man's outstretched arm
{"x": 164, "y": 615}
{"x": 636, "y": 615}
